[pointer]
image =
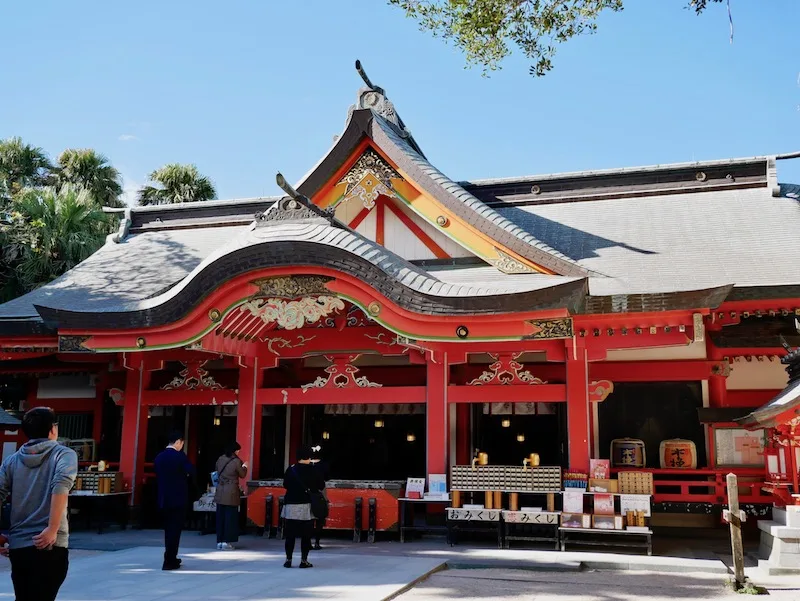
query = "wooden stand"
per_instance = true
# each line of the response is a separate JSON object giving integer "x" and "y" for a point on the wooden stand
{"x": 498, "y": 499}
{"x": 456, "y": 494}
{"x": 551, "y": 501}
{"x": 513, "y": 501}
{"x": 488, "y": 500}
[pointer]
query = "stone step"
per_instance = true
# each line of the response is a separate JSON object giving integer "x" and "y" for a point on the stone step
{"x": 789, "y": 516}
{"x": 778, "y": 530}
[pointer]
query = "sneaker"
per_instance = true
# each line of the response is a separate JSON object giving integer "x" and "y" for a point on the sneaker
{"x": 287, "y": 563}
{"x": 168, "y": 567}
{"x": 227, "y": 547}
{"x": 305, "y": 564}
{"x": 220, "y": 546}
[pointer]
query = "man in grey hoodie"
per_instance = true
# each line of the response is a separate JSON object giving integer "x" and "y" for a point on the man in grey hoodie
{"x": 38, "y": 479}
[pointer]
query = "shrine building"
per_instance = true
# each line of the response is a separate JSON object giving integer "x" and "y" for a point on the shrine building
{"x": 404, "y": 322}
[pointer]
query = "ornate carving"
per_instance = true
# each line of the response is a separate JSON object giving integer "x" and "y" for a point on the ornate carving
{"x": 117, "y": 395}
{"x": 291, "y": 209}
{"x": 73, "y": 344}
{"x": 505, "y": 370}
{"x": 545, "y": 329}
{"x": 293, "y": 315}
{"x": 370, "y": 177}
{"x": 384, "y": 338}
{"x": 293, "y": 286}
{"x": 341, "y": 374}
{"x": 599, "y": 391}
{"x": 193, "y": 377}
{"x": 275, "y": 344}
{"x": 508, "y": 264}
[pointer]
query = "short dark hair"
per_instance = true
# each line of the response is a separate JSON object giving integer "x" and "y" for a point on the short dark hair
{"x": 38, "y": 422}
{"x": 175, "y": 436}
{"x": 304, "y": 452}
{"x": 231, "y": 448}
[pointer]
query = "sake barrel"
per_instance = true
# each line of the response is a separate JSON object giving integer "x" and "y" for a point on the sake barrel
{"x": 678, "y": 453}
{"x": 627, "y": 452}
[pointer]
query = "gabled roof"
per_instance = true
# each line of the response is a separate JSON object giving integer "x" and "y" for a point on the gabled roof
{"x": 294, "y": 232}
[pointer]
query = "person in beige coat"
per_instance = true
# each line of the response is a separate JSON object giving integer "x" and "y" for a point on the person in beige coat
{"x": 228, "y": 495}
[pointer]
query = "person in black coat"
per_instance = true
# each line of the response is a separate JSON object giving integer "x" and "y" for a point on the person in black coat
{"x": 173, "y": 469}
{"x": 300, "y": 480}
{"x": 324, "y": 471}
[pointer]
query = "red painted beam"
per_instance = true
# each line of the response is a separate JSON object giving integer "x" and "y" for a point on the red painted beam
{"x": 535, "y": 393}
{"x": 380, "y": 222}
{"x": 652, "y": 371}
{"x": 750, "y": 398}
{"x": 437, "y": 250}
{"x": 341, "y": 396}
{"x": 362, "y": 215}
{"x": 188, "y": 397}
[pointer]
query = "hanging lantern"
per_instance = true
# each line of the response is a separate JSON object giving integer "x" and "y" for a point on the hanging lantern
{"x": 506, "y": 423}
{"x": 217, "y": 421}
{"x": 326, "y": 436}
{"x": 379, "y": 423}
{"x": 520, "y": 438}
{"x": 411, "y": 437}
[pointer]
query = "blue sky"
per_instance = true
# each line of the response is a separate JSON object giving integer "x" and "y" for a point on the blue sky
{"x": 243, "y": 89}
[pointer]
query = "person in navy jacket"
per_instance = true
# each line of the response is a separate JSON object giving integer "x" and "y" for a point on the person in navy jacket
{"x": 173, "y": 469}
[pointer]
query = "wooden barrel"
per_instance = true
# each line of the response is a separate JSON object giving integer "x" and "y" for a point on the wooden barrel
{"x": 678, "y": 453}
{"x": 627, "y": 452}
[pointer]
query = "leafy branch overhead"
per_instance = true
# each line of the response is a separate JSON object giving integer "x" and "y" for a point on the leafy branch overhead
{"x": 487, "y": 31}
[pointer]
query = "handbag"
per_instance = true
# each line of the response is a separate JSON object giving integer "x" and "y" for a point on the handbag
{"x": 215, "y": 475}
{"x": 319, "y": 504}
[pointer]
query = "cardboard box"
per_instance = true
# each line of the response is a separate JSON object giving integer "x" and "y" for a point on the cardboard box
{"x": 607, "y": 522}
{"x": 576, "y": 520}
{"x": 603, "y": 485}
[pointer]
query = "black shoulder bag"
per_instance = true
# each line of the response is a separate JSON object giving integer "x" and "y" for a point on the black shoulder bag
{"x": 319, "y": 504}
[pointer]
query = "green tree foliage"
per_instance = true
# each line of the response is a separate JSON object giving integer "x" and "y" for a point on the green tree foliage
{"x": 88, "y": 169}
{"x": 486, "y": 31}
{"x": 50, "y": 231}
{"x": 176, "y": 183}
{"x": 21, "y": 166}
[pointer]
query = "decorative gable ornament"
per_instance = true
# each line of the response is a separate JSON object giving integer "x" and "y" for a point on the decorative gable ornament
{"x": 368, "y": 178}
{"x": 508, "y": 264}
{"x": 295, "y": 314}
{"x": 504, "y": 371}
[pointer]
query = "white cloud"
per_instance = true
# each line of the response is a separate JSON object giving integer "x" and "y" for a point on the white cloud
{"x": 130, "y": 187}
{"x": 127, "y": 138}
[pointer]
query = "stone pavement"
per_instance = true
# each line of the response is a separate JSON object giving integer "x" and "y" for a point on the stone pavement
{"x": 519, "y": 585}
{"x": 135, "y": 575}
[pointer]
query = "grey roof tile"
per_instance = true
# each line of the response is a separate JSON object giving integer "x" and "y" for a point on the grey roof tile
{"x": 666, "y": 243}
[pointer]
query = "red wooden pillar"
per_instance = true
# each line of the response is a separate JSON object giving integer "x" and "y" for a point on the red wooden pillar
{"x": 134, "y": 431}
{"x": 436, "y": 414}
{"x": 463, "y": 434}
{"x": 97, "y": 417}
{"x": 248, "y": 421}
{"x": 578, "y": 405}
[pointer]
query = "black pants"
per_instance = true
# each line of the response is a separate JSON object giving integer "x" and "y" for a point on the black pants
{"x": 37, "y": 575}
{"x": 173, "y": 525}
{"x": 319, "y": 526}
{"x": 227, "y": 524}
{"x": 298, "y": 529}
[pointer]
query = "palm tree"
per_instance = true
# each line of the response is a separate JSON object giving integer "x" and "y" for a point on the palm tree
{"x": 55, "y": 230}
{"x": 177, "y": 183}
{"x": 21, "y": 165}
{"x": 90, "y": 170}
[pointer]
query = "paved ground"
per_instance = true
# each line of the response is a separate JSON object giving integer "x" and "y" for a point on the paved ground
{"x": 135, "y": 575}
{"x": 519, "y": 585}
{"x": 126, "y": 566}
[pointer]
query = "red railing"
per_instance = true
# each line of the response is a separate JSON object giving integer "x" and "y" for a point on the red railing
{"x": 705, "y": 485}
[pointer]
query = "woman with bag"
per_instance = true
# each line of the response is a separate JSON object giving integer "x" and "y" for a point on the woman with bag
{"x": 304, "y": 485}
{"x": 228, "y": 495}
